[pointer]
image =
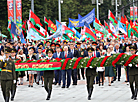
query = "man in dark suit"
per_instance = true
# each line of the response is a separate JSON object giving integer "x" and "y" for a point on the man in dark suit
{"x": 90, "y": 74}
{"x": 118, "y": 67}
{"x": 133, "y": 75}
{"x": 80, "y": 54}
{"x": 74, "y": 71}
{"x": 66, "y": 54}
{"x": 57, "y": 54}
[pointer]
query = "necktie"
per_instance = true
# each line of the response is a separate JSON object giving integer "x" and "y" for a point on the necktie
{"x": 65, "y": 55}
{"x": 94, "y": 54}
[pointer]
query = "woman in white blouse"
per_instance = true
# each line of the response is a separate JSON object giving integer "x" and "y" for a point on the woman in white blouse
{"x": 22, "y": 57}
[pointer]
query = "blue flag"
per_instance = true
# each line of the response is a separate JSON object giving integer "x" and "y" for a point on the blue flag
{"x": 58, "y": 24}
{"x": 17, "y": 31}
{"x": 79, "y": 16}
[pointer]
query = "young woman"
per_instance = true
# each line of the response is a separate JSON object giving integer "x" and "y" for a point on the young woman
{"x": 31, "y": 73}
{"x": 22, "y": 57}
{"x": 109, "y": 72}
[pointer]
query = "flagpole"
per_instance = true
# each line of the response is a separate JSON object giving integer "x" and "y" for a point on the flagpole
{"x": 133, "y": 12}
{"x": 59, "y": 9}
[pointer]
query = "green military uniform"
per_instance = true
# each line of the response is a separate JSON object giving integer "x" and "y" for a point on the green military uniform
{"x": 14, "y": 85}
{"x": 133, "y": 77}
{"x": 90, "y": 75}
{"x": 7, "y": 76}
{"x": 48, "y": 78}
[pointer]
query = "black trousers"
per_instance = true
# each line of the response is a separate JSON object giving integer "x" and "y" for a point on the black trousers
{"x": 90, "y": 80}
{"x": 118, "y": 71}
{"x": 6, "y": 87}
{"x": 82, "y": 72}
{"x": 100, "y": 75}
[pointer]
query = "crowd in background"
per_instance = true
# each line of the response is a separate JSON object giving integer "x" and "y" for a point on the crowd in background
{"x": 68, "y": 49}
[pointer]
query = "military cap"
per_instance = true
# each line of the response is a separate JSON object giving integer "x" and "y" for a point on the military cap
{"x": 90, "y": 49}
{"x": 94, "y": 43}
{"x": 58, "y": 45}
{"x": 132, "y": 48}
{"x": 78, "y": 43}
{"x": 65, "y": 42}
{"x": 49, "y": 51}
{"x": 52, "y": 44}
{"x": 13, "y": 50}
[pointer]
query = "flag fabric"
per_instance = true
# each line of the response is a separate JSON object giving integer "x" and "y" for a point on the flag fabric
{"x": 24, "y": 25}
{"x": 89, "y": 33}
{"x": 112, "y": 28}
{"x": 100, "y": 28}
{"x": 97, "y": 21}
{"x": 122, "y": 20}
{"x": 79, "y": 16}
{"x": 16, "y": 30}
{"x": 77, "y": 34}
{"x": 31, "y": 26}
{"x": 121, "y": 28}
{"x": 58, "y": 24}
{"x": 111, "y": 17}
{"x": 45, "y": 20}
{"x": 87, "y": 25}
{"x": 42, "y": 30}
{"x": 65, "y": 30}
{"x": 129, "y": 31}
{"x": 31, "y": 34}
{"x": 51, "y": 26}
{"x": 34, "y": 19}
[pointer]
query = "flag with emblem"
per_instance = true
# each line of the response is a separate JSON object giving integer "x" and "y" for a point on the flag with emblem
{"x": 34, "y": 19}
{"x": 51, "y": 26}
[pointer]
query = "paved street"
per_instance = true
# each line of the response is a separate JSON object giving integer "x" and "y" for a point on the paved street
{"x": 118, "y": 92}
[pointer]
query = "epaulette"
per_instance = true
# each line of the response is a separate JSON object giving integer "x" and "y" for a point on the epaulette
{"x": 34, "y": 54}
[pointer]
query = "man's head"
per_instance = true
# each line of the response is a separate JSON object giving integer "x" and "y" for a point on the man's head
{"x": 90, "y": 50}
{"x": 117, "y": 46}
{"x": 133, "y": 50}
{"x": 71, "y": 46}
{"x": 65, "y": 48}
{"x": 58, "y": 47}
{"x": 39, "y": 50}
{"x": 49, "y": 52}
{"x": 13, "y": 52}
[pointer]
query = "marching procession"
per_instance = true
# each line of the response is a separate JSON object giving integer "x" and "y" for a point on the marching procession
{"x": 10, "y": 51}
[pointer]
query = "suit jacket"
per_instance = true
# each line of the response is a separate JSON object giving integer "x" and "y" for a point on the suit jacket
{"x": 81, "y": 53}
{"x": 70, "y": 55}
{"x": 56, "y": 56}
{"x": 75, "y": 54}
{"x": 42, "y": 54}
{"x": 120, "y": 50}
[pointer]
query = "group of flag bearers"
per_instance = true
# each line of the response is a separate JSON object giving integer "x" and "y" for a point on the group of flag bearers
{"x": 9, "y": 76}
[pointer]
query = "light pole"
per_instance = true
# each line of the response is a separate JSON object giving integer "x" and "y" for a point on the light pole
{"x": 14, "y": 6}
{"x": 133, "y": 12}
{"x": 59, "y": 9}
{"x": 32, "y": 5}
{"x": 98, "y": 2}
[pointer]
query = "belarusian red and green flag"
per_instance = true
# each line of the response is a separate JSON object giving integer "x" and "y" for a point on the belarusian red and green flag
{"x": 51, "y": 26}
{"x": 31, "y": 26}
{"x": 65, "y": 30}
{"x": 111, "y": 17}
{"x": 89, "y": 33}
{"x": 34, "y": 19}
{"x": 45, "y": 20}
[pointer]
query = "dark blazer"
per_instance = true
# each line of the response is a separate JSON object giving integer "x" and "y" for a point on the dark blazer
{"x": 75, "y": 54}
{"x": 55, "y": 55}
{"x": 70, "y": 55}
{"x": 120, "y": 50}
{"x": 33, "y": 57}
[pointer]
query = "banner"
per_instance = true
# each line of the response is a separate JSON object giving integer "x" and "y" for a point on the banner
{"x": 10, "y": 12}
{"x": 19, "y": 13}
{"x": 131, "y": 13}
{"x": 89, "y": 18}
{"x": 38, "y": 66}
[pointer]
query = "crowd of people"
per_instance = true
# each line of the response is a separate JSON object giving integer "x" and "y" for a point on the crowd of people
{"x": 69, "y": 49}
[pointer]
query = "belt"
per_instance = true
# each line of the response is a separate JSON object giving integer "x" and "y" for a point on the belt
{"x": 5, "y": 70}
